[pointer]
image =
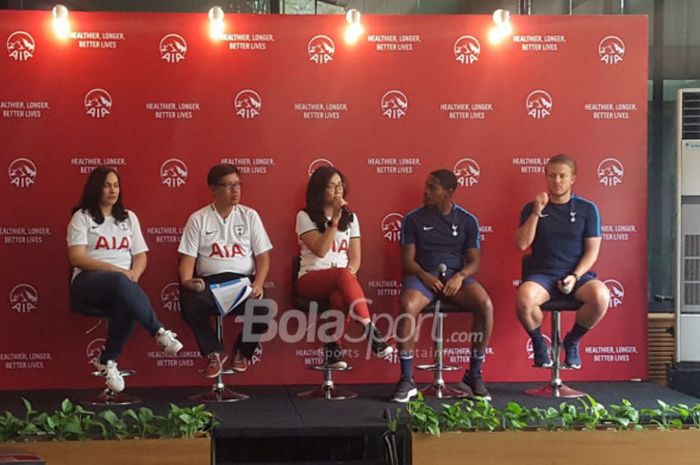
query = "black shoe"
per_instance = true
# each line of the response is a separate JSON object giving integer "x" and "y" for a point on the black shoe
{"x": 379, "y": 346}
{"x": 573, "y": 357}
{"x": 541, "y": 355}
{"x": 333, "y": 356}
{"x": 464, "y": 387}
{"x": 404, "y": 391}
{"x": 477, "y": 385}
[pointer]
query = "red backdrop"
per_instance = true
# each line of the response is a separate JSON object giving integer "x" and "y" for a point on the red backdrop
{"x": 153, "y": 95}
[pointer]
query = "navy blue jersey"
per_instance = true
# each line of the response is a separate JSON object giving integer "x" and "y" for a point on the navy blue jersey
{"x": 559, "y": 239}
{"x": 440, "y": 238}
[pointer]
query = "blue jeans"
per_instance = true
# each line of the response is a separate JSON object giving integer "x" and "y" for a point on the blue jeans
{"x": 113, "y": 295}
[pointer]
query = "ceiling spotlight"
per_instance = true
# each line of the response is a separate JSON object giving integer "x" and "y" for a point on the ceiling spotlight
{"x": 61, "y": 25}
{"x": 216, "y": 22}
{"x": 501, "y": 28}
{"x": 354, "y": 29}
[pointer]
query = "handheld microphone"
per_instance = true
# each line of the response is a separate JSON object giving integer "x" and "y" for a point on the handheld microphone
{"x": 442, "y": 269}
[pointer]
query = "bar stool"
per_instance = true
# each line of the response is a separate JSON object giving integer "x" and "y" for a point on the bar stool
{"x": 438, "y": 388}
{"x": 327, "y": 390}
{"x": 219, "y": 392}
{"x": 556, "y": 387}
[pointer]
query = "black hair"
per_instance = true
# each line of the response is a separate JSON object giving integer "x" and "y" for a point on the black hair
{"x": 315, "y": 190}
{"x": 219, "y": 171}
{"x": 92, "y": 193}
{"x": 446, "y": 178}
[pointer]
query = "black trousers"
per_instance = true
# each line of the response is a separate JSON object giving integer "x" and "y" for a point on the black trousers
{"x": 198, "y": 307}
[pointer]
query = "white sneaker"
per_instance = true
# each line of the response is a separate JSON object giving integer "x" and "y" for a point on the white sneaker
{"x": 113, "y": 379}
{"x": 168, "y": 342}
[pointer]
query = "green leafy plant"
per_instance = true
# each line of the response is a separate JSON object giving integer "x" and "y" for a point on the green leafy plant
{"x": 588, "y": 414}
{"x": 73, "y": 422}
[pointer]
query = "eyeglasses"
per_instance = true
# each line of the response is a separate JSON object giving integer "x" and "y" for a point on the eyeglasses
{"x": 334, "y": 187}
{"x": 230, "y": 187}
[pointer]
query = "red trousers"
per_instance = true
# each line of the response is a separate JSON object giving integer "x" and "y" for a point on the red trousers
{"x": 339, "y": 286}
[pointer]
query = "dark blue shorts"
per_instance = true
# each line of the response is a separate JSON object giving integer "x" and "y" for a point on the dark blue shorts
{"x": 413, "y": 282}
{"x": 549, "y": 282}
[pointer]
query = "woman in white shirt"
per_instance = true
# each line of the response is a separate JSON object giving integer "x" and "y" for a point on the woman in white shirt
{"x": 329, "y": 238}
{"x": 108, "y": 254}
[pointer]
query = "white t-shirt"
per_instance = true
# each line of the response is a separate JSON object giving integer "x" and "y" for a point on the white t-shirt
{"x": 110, "y": 242}
{"x": 224, "y": 245}
{"x": 337, "y": 256}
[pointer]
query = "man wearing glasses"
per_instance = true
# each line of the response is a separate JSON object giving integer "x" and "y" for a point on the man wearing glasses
{"x": 221, "y": 242}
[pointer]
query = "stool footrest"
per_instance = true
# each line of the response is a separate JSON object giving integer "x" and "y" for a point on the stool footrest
{"x": 108, "y": 397}
{"x": 434, "y": 367}
{"x": 328, "y": 368}
{"x": 328, "y": 392}
{"x": 218, "y": 394}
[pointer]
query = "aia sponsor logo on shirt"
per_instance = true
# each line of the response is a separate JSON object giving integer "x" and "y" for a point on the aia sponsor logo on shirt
{"x": 225, "y": 251}
{"x": 113, "y": 243}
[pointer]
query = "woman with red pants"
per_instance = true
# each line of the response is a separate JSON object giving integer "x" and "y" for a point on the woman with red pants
{"x": 329, "y": 237}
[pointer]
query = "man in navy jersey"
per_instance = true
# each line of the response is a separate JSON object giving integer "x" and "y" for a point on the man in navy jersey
{"x": 441, "y": 232}
{"x": 563, "y": 231}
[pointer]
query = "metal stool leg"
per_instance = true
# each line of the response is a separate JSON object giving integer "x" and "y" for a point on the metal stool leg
{"x": 556, "y": 387}
{"x": 109, "y": 397}
{"x": 439, "y": 389}
{"x": 328, "y": 390}
{"x": 219, "y": 392}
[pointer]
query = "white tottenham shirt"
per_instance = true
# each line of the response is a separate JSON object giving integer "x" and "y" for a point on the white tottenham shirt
{"x": 110, "y": 242}
{"x": 224, "y": 245}
{"x": 337, "y": 256}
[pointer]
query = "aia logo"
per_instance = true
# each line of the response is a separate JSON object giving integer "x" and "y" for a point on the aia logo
{"x": 391, "y": 227}
{"x": 316, "y": 164}
{"x": 321, "y": 49}
{"x": 20, "y": 46}
{"x": 173, "y": 172}
{"x": 257, "y": 356}
{"x": 531, "y": 352}
{"x": 173, "y": 48}
{"x": 394, "y": 104}
{"x": 468, "y": 172}
{"x": 617, "y": 292}
{"x": 247, "y": 104}
{"x": 22, "y": 172}
{"x": 93, "y": 351}
{"x": 610, "y": 172}
{"x": 467, "y": 50}
{"x": 98, "y": 103}
{"x": 611, "y": 50}
{"x": 539, "y": 104}
{"x": 24, "y": 298}
{"x": 170, "y": 297}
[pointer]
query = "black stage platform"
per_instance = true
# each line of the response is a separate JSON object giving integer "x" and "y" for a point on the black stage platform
{"x": 274, "y": 426}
